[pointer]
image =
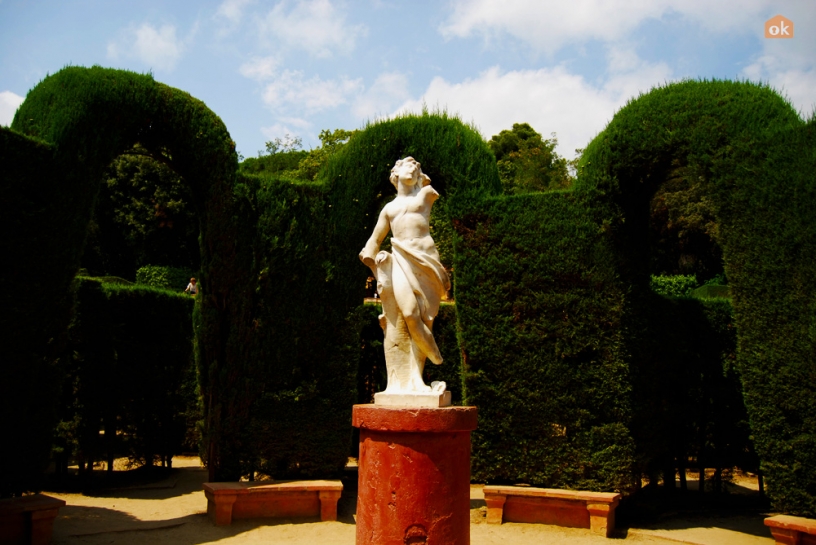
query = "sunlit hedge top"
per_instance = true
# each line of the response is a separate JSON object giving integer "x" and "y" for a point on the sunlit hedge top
{"x": 694, "y": 121}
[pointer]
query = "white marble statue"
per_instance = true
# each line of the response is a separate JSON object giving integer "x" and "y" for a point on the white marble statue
{"x": 411, "y": 282}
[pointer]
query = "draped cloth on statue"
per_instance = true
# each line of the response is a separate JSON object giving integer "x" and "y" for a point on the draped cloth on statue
{"x": 424, "y": 273}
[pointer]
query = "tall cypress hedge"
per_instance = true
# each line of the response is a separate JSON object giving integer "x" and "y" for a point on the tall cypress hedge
{"x": 34, "y": 306}
{"x": 540, "y": 309}
{"x": 128, "y": 367}
{"x": 755, "y": 159}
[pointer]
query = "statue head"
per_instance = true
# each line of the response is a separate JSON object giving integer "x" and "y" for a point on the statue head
{"x": 420, "y": 179}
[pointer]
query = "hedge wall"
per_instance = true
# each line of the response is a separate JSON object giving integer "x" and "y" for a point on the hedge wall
{"x": 34, "y": 305}
{"x": 287, "y": 393}
{"x": 770, "y": 244}
{"x": 129, "y": 371}
{"x": 540, "y": 307}
{"x": 292, "y": 386}
{"x": 754, "y": 157}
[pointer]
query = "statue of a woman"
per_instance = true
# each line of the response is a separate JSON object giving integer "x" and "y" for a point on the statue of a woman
{"x": 411, "y": 280}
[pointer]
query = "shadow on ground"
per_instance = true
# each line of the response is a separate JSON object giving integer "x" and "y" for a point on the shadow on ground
{"x": 736, "y": 509}
{"x": 153, "y": 497}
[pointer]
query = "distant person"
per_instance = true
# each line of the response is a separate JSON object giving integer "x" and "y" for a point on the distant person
{"x": 192, "y": 288}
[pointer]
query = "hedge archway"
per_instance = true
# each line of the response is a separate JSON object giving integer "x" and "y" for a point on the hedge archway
{"x": 755, "y": 158}
{"x": 70, "y": 127}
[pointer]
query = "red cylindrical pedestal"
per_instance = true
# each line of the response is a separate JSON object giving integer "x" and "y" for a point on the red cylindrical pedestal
{"x": 414, "y": 475}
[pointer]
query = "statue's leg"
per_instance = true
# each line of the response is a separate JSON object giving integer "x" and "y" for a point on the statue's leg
{"x": 408, "y": 306}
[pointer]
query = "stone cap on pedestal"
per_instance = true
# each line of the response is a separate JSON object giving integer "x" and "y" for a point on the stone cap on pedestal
{"x": 411, "y": 419}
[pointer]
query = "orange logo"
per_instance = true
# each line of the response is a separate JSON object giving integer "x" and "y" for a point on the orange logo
{"x": 778, "y": 27}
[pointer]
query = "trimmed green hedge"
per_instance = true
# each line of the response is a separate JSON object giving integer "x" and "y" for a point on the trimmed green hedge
{"x": 34, "y": 304}
{"x": 540, "y": 308}
{"x": 287, "y": 392}
{"x": 129, "y": 371}
{"x": 291, "y": 387}
{"x": 276, "y": 332}
{"x": 755, "y": 158}
{"x": 673, "y": 286}
{"x": 171, "y": 278}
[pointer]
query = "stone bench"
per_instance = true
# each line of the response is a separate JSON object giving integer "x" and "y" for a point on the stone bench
{"x": 243, "y": 500}
{"x": 571, "y": 508}
{"x": 29, "y": 519}
{"x": 788, "y": 530}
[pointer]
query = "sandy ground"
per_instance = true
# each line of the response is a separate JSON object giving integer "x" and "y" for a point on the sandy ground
{"x": 173, "y": 511}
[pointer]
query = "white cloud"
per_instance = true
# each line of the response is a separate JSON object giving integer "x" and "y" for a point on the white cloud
{"x": 315, "y": 26}
{"x": 548, "y": 26}
{"x": 292, "y": 91}
{"x": 291, "y": 126}
{"x": 549, "y": 99}
{"x": 797, "y": 83}
{"x": 9, "y": 102}
{"x": 788, "y": 65}
{"x": 232, "y": 10}
{"x": 260, "y": 68}
{"x": 388, "y": 91}
{"x": 158, "y": 48}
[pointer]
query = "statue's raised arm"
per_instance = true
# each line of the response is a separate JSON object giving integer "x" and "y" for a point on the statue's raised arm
{"x": 411, "y": 282}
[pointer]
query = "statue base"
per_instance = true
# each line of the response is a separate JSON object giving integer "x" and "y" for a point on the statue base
{"x": 414, "y": 475}
{"x": 419, "y": 399}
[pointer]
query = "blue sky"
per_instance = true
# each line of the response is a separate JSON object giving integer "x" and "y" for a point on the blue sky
{"x": 270, "y": 68}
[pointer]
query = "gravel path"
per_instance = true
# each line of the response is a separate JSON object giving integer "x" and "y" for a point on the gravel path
{"x": 174, "y": 512}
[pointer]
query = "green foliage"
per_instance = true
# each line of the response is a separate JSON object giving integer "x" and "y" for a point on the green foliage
{"x": 89, "y": 117}
{"x": 330, "y": 143}
{"x": 753, "y": 159}
{"x": 287, "y": 144}
{"x": 712, "y": 291}
{"x": 528, "y": 163}
{"x": 540, "y": 310}
{"x": 34, "y": 305}
{"x": 684, "y": 230}
{"x": 170, "y": 278}
{"x": 290, "y": 388}
{"x": 678, "y": 285}
{"x": 283, "y": 164}
{"x": 301, "y": 345}
{"x": 128, "y": 365}
{"x": 143, "y": 215}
